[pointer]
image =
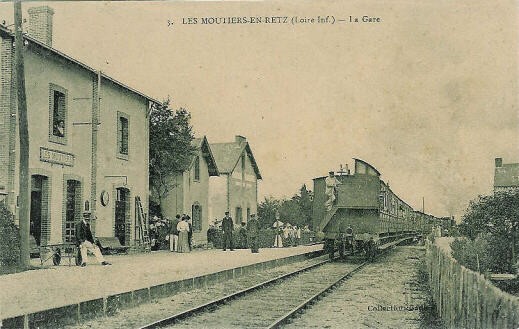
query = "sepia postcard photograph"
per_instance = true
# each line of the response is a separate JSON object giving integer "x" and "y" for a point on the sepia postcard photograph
{"x": 259, "y": 164}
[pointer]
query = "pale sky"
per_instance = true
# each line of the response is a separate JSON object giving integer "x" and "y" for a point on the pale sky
{"x": 428, "y": 96}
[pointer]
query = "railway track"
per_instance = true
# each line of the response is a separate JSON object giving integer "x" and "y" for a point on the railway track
{"x": 269, "y": 304}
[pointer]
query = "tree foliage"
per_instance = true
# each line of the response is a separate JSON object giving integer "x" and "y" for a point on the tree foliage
{"x": 305, "y": 201}
{"x": 473, "y": 254}
{"x": 170, "y": 147}
{"x": 290, "y": 212}
{"x": 296, "y": 211}
{"x": 496, "y": 217}
{"x": 9, "y": 239}
{"x": 267, "y": 210}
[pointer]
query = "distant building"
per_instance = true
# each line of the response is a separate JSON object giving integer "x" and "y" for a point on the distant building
{"x": 506, "y": 176}
{"x": 190, "y": 194}
{"x": 74, "y": 165}
{"x": 236, "y": 190}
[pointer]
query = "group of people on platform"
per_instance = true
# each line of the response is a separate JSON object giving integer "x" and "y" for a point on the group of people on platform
{"x": 287, "y": 234}
{"x": 247, "y": 233}
{"x": 181, "y": 234}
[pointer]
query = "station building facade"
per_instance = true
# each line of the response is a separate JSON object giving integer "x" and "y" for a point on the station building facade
{"x": 88, "y": 136}
{"x": 236, "y": 189}
{"x": 190, "y": 190}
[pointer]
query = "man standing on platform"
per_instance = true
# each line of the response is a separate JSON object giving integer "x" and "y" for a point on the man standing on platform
{"x": 173, "y": 234}
{"x": 253, "y": 232}
{"x": 85, "y": 240}
{"x": 190, "y": 232}
{"x": 227, "y": 227}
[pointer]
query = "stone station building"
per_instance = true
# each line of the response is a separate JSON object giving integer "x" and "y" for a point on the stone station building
{"x": 88, "y": 136}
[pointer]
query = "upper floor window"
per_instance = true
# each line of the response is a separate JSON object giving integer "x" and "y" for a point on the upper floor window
{"x": 243, "y": 167}
{"x": 123, "y": 132}
{"x": 57, "y": 114}
{"x": 197, "y": 168}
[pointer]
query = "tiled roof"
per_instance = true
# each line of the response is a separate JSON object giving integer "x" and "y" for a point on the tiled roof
{"x": 202, "y": 143}
{"x": 6, "y": 31}
{"x": 227, "y": 156}
{"x": 507, "y": 175}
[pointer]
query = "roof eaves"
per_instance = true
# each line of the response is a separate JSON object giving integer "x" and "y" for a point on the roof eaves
{"x": 211, "y": 157}
{"x": 246, "y": 147}
{"x": 83, "y": 65}
{"x": 242, "y": 147}
{"x": 254, "y": 163}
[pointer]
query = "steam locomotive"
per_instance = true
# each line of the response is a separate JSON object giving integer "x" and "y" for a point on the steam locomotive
{"x": 364, "y": 213}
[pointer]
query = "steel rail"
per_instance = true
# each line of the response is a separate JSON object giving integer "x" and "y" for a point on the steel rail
{"x": 292, "y": 313}
{"x": 285, "y": 319}
{"x": 212, "y": 304}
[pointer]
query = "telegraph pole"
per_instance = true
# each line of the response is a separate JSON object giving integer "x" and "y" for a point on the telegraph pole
{"x": 96, "y": 105}
{"x": 24, "y": 138}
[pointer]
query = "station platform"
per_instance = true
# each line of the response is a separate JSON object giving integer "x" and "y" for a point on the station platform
{"x": 34, "y": 296}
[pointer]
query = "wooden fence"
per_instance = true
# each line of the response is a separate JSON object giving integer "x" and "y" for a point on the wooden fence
{"x": 464, "y": 298}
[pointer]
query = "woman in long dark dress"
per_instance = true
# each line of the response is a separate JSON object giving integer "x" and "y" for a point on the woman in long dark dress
{"x": 183, "y": 240}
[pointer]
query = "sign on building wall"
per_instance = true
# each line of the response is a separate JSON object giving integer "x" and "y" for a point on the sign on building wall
{"x": 58, "y": 157}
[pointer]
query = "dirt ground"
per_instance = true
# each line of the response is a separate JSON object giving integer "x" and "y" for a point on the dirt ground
{"x": 386, "y": 294}
{"x": 158, "y": 309}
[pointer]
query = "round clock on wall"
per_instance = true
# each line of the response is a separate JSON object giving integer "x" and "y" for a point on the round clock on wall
{"x": 105, "y": 198}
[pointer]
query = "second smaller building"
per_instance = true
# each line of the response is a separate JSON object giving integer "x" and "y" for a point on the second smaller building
{"x": 191, "y": 188}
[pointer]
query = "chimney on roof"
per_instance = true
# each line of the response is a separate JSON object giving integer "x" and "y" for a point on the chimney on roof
{"x": 499, "y": 162}
{"x": 239, "y": 139}
{"x": 40, "y": 24}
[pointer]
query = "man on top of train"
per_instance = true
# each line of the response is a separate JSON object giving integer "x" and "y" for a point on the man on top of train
{"x": 331, "y": 186}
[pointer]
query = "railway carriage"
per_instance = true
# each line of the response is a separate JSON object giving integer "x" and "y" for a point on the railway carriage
{"x": 365, "y": 214}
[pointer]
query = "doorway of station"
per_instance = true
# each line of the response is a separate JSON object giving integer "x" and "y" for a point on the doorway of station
{"x": 122, "y": 215}
{"x": 39, "y": 206}
{"x": 72, "y": 210}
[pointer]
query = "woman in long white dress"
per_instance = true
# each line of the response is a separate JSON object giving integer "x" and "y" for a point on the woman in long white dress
{"x": 183, "y": 241}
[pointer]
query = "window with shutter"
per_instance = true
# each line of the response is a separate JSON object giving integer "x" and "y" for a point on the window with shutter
{"x": 123, "y": 134}
{"x": 57, "y": 114}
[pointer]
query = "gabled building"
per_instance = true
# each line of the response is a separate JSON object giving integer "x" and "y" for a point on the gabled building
{"x": 506, "y": 176}
{"x": 236, "y": 190}
{"x": 88, "y": 136}
{"x": 190, "y": 192}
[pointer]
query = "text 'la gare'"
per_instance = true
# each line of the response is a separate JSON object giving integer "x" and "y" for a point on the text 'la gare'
{"x": 365, "y": 19}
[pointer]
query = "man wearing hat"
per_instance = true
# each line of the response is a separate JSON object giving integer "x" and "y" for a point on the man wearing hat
{"x": 227, "y": 227}
{"x": 85, "y": 240}
{"x": 253, "y": 232}
{"x": 173, "y": 234}
{"x": 331, "y": 185}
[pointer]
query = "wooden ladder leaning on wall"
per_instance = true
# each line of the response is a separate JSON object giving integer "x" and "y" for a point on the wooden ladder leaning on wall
{"x": 142, "y": 237}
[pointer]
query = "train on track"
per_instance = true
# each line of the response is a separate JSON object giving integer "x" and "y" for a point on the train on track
{"x": 359, "y": 211}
